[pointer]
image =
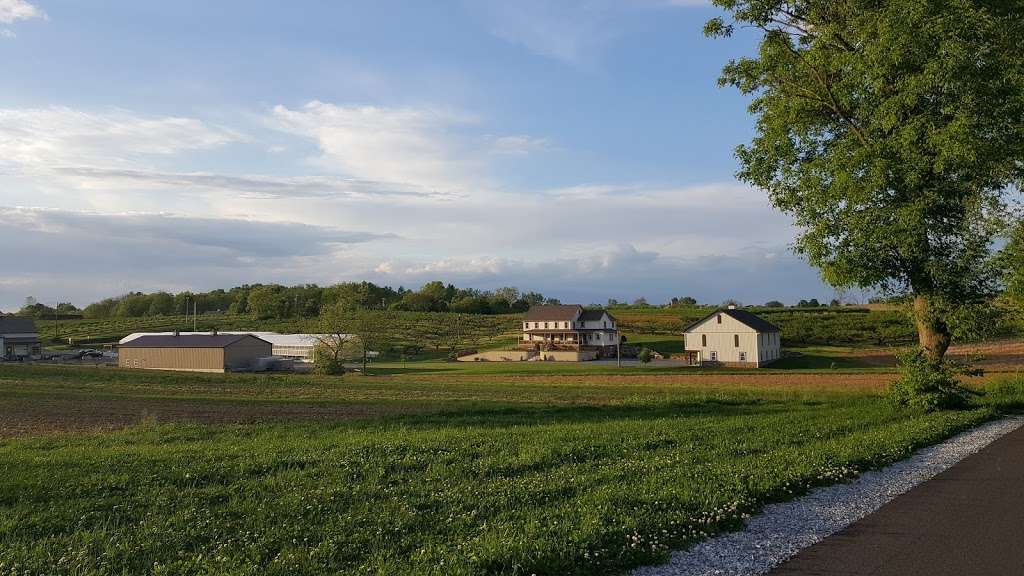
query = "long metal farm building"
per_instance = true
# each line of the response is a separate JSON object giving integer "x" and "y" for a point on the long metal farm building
{"x": 194, "y": 352}
{"x": 295, "y": 346}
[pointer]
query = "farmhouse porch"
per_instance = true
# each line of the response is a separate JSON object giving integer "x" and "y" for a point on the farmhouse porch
{"x": 553, "y": 340}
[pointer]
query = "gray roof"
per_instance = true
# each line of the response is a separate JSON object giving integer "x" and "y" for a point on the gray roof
{"x": 17, "y": 325}
{"x": 189, "y": 341}
{"x": 752, "y": 320}
{"x": 595, "y": 315}
{"x": 555, "y": 312}
{"x": 558, "y": 312}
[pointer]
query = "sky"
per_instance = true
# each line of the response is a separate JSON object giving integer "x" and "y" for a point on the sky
{"x": 580, "y": 148}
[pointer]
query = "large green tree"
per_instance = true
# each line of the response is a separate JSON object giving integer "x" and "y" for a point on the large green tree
{"x": 1012, "y": 265}
{"x": 893, "y": 132}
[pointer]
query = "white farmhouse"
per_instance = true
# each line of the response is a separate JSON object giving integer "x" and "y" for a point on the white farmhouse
{"x": 569, "y": 327}
{"x": 731, "y": 337}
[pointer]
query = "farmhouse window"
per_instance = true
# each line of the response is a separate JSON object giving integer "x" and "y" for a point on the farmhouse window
{"x": 743, "y": 356}
{"x": 545, "y": 324}
{"x": 719, "y": 318}
{"x": 736, "y": 340}
{"x": 703, "y": 339}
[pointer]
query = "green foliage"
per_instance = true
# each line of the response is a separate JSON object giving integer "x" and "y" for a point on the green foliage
{"x": 35, "y": 309}
{"x": 1005, "y": 395}
{"x": 684, "y": 301}
{"x": 273, "y": 301}
{"x": 1011, "y": 263}
{"x": 927, "y": 386}
{"x": 645, "y": 355}
{"x": 893, "y": 133}
{"x": 326, "y": 362}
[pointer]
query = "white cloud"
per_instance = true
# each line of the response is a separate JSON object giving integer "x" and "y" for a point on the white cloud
{"x": 61, "y": 136}
{"x": 570, "y": 31}
{"x": 563, "y": 31}
{"x": 408, "y": 146}
{"x": 230, "y": 238}
{"x": 85, "y": 256}
{"x": 519, "y": 145}
{"x": 625, "y": 272}
{"x": 12, "y": 10}
{"x": 246, "y": 186}
{"x": 401, "y": 195}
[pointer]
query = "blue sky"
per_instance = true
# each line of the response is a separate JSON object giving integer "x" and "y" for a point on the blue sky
{"x": 580, "y": 148}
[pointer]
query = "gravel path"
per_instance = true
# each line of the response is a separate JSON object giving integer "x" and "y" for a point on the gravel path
{"x": 782, "y": 530}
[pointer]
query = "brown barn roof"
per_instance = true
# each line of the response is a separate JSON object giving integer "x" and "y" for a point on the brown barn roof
{"x": 749, "y": 318}
{"x": 188, "y": 341}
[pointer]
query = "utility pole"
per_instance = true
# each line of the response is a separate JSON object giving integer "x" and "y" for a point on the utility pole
{"x": 195, "y": 313}
{"x": 618, "y": 351}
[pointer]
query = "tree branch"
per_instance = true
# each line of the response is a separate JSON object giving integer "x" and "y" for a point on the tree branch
{"x": 832, "y": 103}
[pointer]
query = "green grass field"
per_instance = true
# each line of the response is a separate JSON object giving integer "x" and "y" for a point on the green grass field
{"x": 419, "y": 472}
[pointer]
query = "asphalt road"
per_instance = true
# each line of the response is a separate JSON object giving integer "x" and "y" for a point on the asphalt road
{"x": 967, "y": 521}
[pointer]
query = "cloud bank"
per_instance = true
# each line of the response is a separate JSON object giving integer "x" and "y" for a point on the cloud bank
{"x": 401, "y": 195}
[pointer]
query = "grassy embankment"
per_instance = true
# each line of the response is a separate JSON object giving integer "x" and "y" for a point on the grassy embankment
{"x": 441, "y": 474}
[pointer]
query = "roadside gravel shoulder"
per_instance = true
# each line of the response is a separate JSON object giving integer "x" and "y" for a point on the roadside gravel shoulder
{"x": 782, "y": 530}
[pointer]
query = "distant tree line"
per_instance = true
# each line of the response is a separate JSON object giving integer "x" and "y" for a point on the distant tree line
{"x": 267, "y": 301}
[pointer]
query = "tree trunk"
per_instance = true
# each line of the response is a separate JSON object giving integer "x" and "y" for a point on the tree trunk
{"x": 932, "y": 332}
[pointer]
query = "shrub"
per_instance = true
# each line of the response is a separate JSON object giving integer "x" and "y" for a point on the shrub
{"x": 645, "y": 355}
{"x": 924, "y": 385}
{"x": 326, "y": 362}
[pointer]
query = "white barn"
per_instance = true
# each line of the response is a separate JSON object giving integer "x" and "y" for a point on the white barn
{"x": 731, "y": 337}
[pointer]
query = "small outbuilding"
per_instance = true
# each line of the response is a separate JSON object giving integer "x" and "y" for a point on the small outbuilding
{"x": 19, "y": 339}
{"x": 194, "y": 352}
{"x": 731, "y": 337}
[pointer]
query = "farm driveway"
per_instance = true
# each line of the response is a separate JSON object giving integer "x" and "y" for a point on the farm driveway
{"x": 967, "y": 520}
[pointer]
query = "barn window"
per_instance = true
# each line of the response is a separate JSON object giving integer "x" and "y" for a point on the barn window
{"x": 736, "y": 340}
{"x": 743, "y": 356}
{"x": 703, "y": 339}
{"x": 719, "y": 318}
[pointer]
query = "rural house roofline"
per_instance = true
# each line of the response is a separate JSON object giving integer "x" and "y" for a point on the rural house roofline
{"x": 749, "y": 319}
